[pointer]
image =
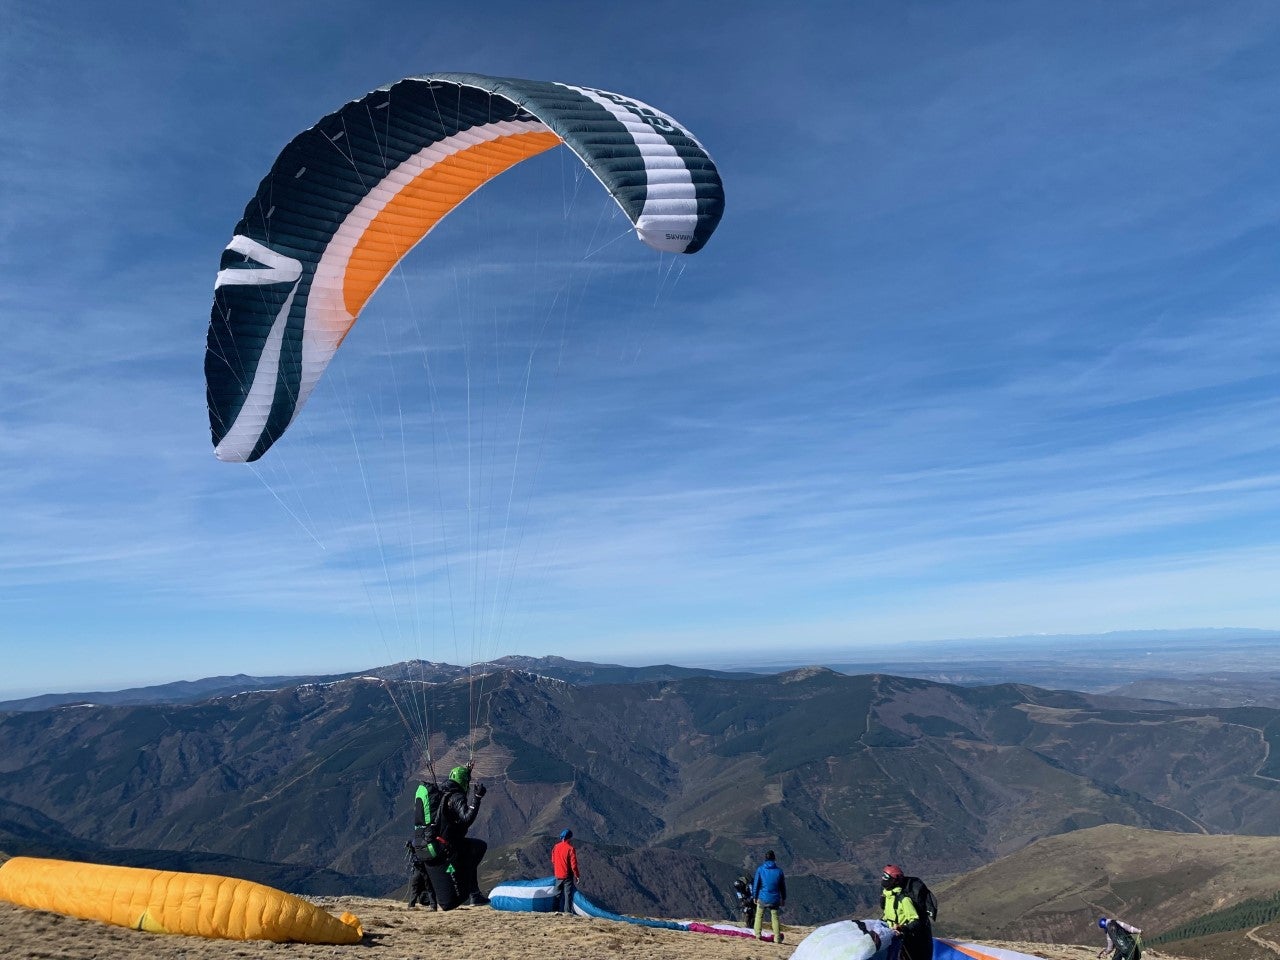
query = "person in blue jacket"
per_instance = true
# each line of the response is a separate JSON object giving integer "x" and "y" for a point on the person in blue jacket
{"x": 770, "y": 892}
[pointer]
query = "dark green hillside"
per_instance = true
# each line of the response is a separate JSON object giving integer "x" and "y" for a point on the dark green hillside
{"x": 762, "y": 717}
{"x": 1242, "y": 916}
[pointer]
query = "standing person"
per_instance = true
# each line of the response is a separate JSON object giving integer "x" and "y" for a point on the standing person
{"x": 901, "y": 911}
{"x": 425, "y": 848}
{"x": 746, "y": 903}
{"x": 465, "y": 853}
{"x": 1124, "y": 940}
{"x": 564, "y": 861}
{"x": 770, "y": 892}
{"x": 421, "y": 890}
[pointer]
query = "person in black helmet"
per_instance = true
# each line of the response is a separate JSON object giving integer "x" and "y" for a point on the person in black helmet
{"x": 459, "y": 808}
{"x": 902, "y": 913}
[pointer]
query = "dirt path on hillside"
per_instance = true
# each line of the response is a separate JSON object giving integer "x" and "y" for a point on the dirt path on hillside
{"x": 1262, "y": 941}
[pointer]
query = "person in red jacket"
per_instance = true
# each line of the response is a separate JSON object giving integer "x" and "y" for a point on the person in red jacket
{"x": 564, "y": 861}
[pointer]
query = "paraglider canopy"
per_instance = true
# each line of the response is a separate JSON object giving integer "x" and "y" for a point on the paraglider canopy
{"x": 341, "y": 207}
{"x": 348, "y": 198}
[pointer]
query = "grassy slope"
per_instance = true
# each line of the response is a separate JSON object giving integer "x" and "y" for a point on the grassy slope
{"x": 1055, "y": 889}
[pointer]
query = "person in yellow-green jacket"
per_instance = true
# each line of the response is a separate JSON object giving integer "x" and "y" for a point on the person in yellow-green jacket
{"x": 902, "y": 913}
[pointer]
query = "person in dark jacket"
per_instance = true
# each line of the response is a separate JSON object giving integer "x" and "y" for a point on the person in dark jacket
{"x": 769, "y": 889}
{"x": 564, "y": 863}
{"x": 421, "y": 890}
{"x": 458, "y": 812}
{"x": 900, "y": 913}
{"x": 746, "y": 903}
{"x": 424, "y": 848}
{"x": 1123, "y": 939}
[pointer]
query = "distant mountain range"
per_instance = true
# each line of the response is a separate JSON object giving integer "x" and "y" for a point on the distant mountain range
{"x": 1184, "y": 666}
{"x": 673, "y": 780}
{"x": 422, "y": 671}
{"x": 1091, "y": 663}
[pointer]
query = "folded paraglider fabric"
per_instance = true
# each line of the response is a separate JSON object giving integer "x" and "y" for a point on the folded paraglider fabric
{"x": 165, "y": 901}
{"x": 525, "y": 896}
{"x": 538, "y": 896}
{"x": 875, "y": 940}
{"x": 849, "y": 940}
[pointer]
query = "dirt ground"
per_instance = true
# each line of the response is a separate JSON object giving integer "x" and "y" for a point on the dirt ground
{"x": 393, "y": 932}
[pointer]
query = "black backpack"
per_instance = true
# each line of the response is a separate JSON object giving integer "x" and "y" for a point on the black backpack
{"x": 431, "y": 815}
{"x": 428, "y": 843}
{"x": 926, "y": 903}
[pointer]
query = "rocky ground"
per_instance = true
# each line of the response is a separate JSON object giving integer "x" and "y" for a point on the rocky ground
{"x": 392, "y": 932}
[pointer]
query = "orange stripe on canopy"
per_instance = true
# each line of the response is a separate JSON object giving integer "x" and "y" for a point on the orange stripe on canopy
{"x": 424, "y": 202}
{"x": 969, "y": 950}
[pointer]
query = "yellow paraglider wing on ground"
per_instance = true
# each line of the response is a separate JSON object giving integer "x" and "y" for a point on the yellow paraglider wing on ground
{"x": 164, "y": 901}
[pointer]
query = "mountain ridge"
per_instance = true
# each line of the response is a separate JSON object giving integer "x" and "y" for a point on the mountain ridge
{"x": 425, "y": 671}
{"x": 698, "y": 774}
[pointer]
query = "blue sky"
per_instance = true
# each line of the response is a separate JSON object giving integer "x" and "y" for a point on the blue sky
{"x": 986, "y": 343}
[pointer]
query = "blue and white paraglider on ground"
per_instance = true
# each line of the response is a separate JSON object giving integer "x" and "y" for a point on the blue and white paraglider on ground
{"x": 875, "y": 940}
{"x": 850, "y": 940}
{"x": 538, "y": 896}
{"x": 842, "y": 940}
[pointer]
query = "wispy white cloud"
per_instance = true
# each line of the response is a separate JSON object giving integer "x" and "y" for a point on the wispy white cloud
{"x": 985, "y": 344}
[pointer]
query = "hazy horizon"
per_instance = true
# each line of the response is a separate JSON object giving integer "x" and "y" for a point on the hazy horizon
{"x": 1193, "y": 647}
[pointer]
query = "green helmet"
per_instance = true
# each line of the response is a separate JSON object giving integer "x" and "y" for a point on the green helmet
{"x": 461, "y": 776}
